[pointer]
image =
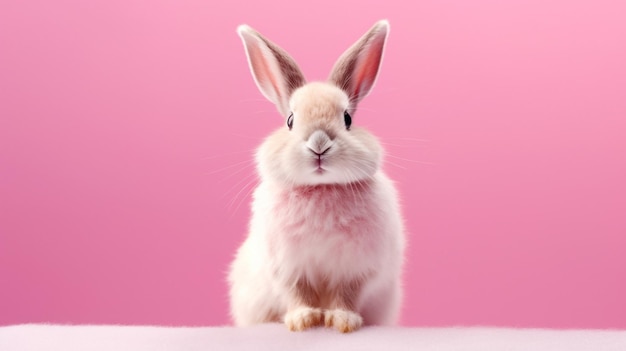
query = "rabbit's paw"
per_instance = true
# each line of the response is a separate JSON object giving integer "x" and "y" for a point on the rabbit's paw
{"x": 342, "y": 320}
{"x": 303, "y": 318}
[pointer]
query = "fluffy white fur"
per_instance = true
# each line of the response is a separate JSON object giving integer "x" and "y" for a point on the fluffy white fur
{"x": 326, "y": 238}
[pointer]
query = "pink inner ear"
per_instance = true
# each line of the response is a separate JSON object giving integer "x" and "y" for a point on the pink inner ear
{"x": 263, "y": 74}
{"x": 367, "y": 67}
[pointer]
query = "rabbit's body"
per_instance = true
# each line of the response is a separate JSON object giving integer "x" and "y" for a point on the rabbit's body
{"x": 326, "y": 239}
{"x": 326, "y": 235}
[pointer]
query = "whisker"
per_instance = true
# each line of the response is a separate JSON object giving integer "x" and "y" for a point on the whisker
{"x": 399, "y": 145}
{"x": 242, "y": 180}
{"x": 246, "y": 167}
{"x": 358, "y": 165}
{"x": 409, "y": 160}
{"x": 227, "y": 154}
{"x": 394, "y": 164}
{"x": 229, "y": 167}
{"x": 232, "y": 201}
{"x": 348, "y": 175}
{"x": 253, "y": 183}
{"x": 409, "y": 139}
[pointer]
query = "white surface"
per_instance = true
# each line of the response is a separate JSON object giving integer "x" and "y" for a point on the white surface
{"x": 276, "y": 337}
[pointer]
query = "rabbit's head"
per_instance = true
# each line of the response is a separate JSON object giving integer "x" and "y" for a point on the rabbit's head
{"x": 319, "y": 143}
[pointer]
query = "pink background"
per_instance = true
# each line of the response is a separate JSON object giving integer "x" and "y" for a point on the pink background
{"x": 126, "y": 126}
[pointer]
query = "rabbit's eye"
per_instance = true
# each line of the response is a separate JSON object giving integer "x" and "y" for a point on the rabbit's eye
{"x": 290, "y": 121}
{"x": 347, "y": 119}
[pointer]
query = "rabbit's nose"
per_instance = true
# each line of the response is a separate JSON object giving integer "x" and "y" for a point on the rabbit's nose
{"x": 317, "y": 153}
{"x": 319, "y": 142}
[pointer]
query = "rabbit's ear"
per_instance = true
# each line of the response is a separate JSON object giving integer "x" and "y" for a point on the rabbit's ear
{"x": 356, "y": 70}
{"x": 276, "y": 74}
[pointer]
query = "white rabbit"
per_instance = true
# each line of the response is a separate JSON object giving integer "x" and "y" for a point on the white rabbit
{"x": 326, "y": 238}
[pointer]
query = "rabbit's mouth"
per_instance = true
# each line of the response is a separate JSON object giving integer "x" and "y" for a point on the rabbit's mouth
{"x": 318, "y": 160}
{"x": 318, "y": 164}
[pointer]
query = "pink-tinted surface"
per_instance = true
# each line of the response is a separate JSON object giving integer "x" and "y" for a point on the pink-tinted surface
{"x": 126, "y": 126}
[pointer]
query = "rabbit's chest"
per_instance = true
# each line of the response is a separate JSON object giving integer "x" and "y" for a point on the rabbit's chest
{"x": 325, "y": 228}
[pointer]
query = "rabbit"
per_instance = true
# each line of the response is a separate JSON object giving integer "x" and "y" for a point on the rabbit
{"x": 326, "y": 238}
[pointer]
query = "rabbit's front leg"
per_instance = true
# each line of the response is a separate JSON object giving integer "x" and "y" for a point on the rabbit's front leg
{"x": 341, "y": 315}
{"x": 301, "y": 312}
